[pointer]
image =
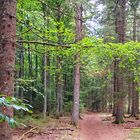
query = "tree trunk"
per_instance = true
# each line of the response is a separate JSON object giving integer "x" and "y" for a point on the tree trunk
{"x": 120, "y": 20}
{"x": 21, "y": 75}
{"x": 59, "y": 88}
{"x": 129, "y": 97}
{"x": 118, "y": 79}
{"x": 75, "y": 112}
{"x": 76, "y": 92}
{"x": 36, "y": 70}
{"x": 48, "y": 85}
{"x": 59, "y": 79}
{"x": 45, "y": 65}
{"x": 134, "y": 24}
{"x": 135, "y": 100}
{"x": 135, "y": 94}
{"x": 115, "y": 87}
{"x": 21, "y": 70}
{"x": 45, "y": 86}
{"x": 7, "y": 58}
{"x": 30, "y": 72}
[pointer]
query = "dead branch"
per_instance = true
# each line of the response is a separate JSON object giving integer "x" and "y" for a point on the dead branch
{"x": 29, "y": 131}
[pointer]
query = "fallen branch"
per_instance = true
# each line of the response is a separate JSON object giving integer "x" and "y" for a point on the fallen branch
{"x": 30, "y": 131}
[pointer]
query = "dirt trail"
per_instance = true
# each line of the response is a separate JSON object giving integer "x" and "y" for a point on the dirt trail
{"x": 93, "y": 128}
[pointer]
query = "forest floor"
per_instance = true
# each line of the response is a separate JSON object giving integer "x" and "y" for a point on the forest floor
{"x": 99, "y": 127}
{"x": 93, "y": 126}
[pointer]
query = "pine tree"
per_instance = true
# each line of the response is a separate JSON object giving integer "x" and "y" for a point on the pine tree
{"x": 7, "y": 59}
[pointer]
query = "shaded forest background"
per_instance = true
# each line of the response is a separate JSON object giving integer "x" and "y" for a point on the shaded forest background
{"x": 46, "y": 47}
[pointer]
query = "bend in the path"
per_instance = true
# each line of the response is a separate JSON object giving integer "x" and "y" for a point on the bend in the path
{"x": 92, "y": 128}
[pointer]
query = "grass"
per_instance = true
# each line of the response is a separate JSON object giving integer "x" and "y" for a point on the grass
{"x": 37, "y": 121}
{"x": 134, "y": 135}
{"x": 60, "y": 128}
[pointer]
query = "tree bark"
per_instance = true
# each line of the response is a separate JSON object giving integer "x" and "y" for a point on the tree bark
{"x": 45, "y": 86}
{"x": 135, "y": 100}
{"x": 76, "y": 92}
{"x": 45, "y": 65}
{"x": 120, "y": 20}
{"x": 36, "y": 70}
{"x": 135, "y": 94}
{"x": 59, "y": 78}
{"x": 59, "y": 88}
{"x": 118, "y": 79}
{"x": 129, "y": 96}
{"x": 21, "y": 70}
{"x": 30, "y": 68}
{"x": 7, "y": 58}
{"x": 134, "y": 24}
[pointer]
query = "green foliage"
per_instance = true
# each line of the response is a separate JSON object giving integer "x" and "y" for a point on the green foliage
{"x": 12, "y": 102}
{"x": 68, "y": 107}
{"x": 11, "y": 121}
{"x": 27, "y": 86}
{"x": 51, "y": 21}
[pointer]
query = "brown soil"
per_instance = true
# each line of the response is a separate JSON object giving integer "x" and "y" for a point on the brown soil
{"x": 96, "y": 127}
{"x": 53, "y": 130}
{"x": 92, "y": 127}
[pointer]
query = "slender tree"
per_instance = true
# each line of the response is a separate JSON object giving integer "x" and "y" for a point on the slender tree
{"x": 59, "y": 78}
{"x": 135, "y": 94}
{"x": 45, "y": 62}
{"x": 76, "y": 92}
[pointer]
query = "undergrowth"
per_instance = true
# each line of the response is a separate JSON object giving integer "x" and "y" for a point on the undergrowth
{"x": 36, "y": 120}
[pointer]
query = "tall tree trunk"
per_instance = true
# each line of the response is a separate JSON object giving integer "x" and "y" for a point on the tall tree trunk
{"x": 46, "y": 80}
{"x": 118, "y": 79}
{"x": 135, "y": 94}
{"x": 59, "y": 79}
{"x": 120, "y": 20}
{"x": 115, "y": 87}
{"x": 134, "y": 24}
{"x": 21, "y": 75}
{"x": 30, "y": 70}
{"x": 135, "y": 100}
{"x": 48, "y": 85}
{"x": 45, "y": 67}
{"x": 58, "y": 87}
{"x": 36, "y": 70}
{"x": 129, "y": 96}
{"x": 76, "y": 92}
{"x": 45, "y": 86}
{"x": 7, "y": 58}
{"x": 21, "y": 70}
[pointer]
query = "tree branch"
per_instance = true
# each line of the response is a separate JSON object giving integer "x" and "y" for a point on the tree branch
{"x": 42, "y": 43}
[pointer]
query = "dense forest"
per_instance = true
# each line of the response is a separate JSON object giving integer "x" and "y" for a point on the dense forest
{"x": 65, "y": 58}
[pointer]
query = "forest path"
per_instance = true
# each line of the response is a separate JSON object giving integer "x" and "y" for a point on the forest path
{"x": 93, "y": 128}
